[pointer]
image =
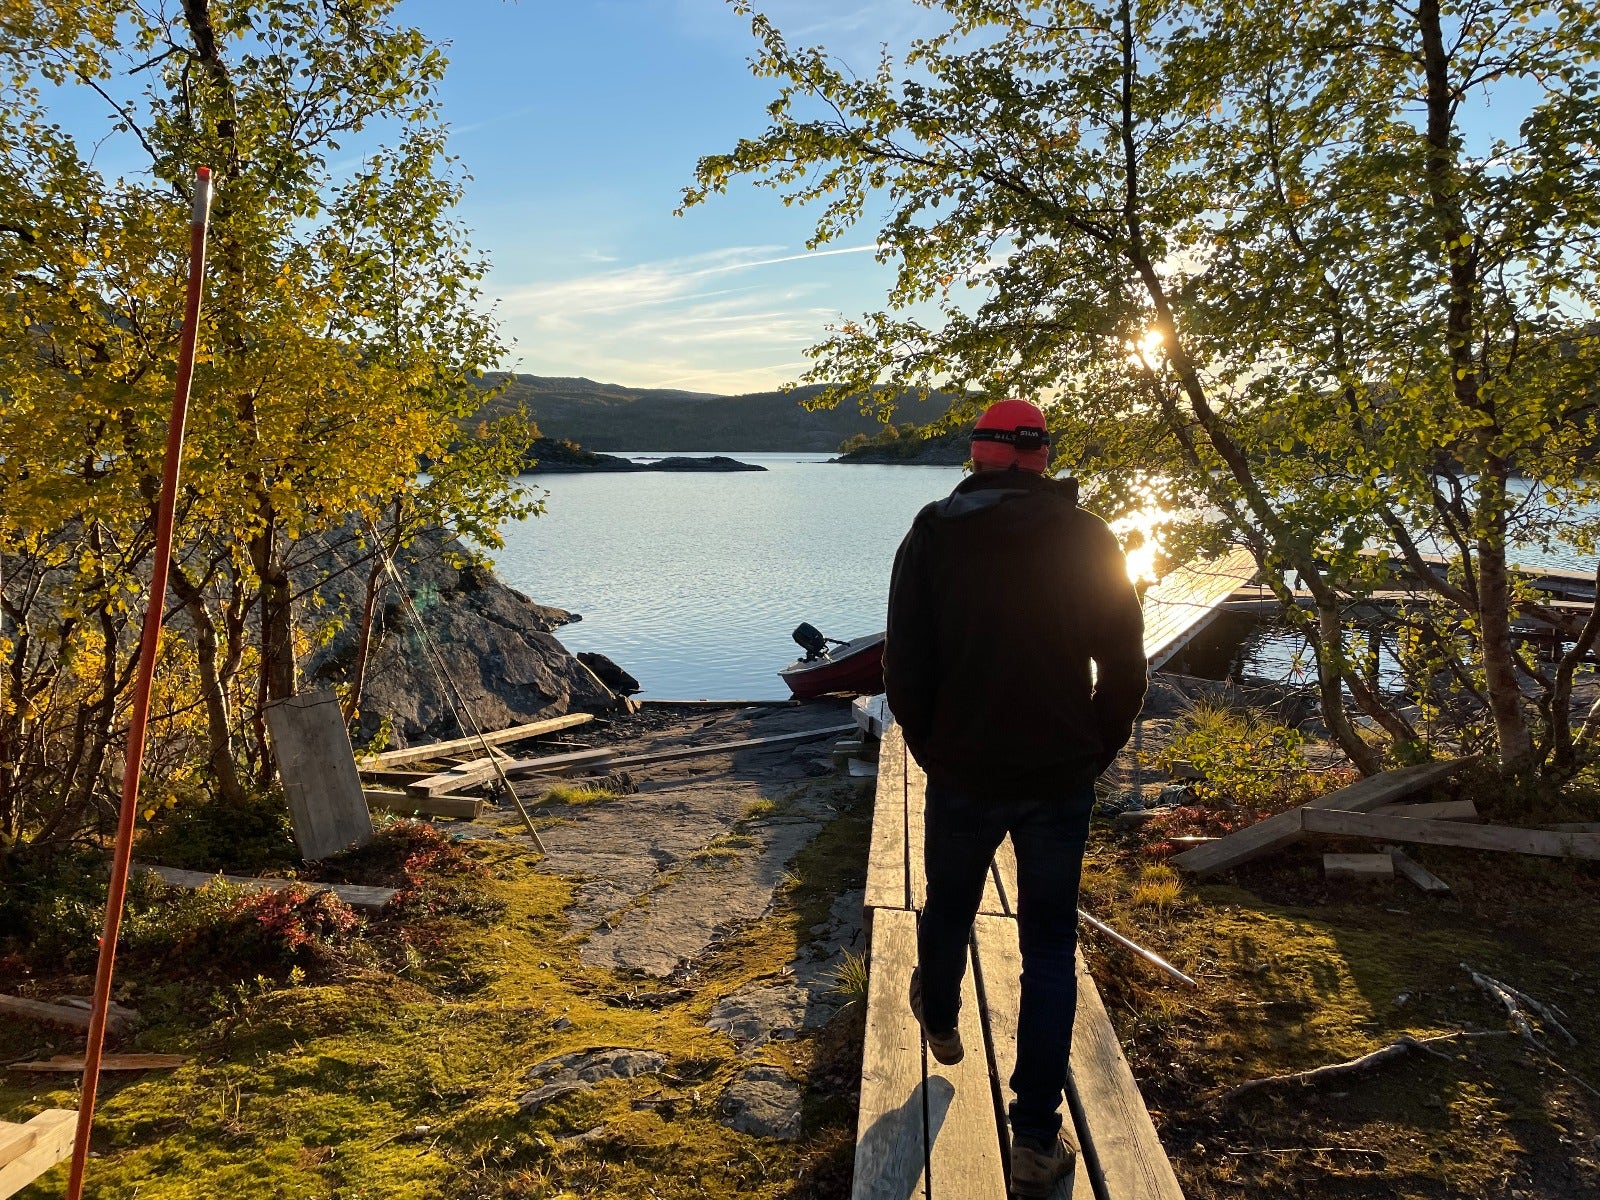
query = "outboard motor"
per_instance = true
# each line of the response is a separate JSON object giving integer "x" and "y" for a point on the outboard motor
{"x": 811, "y": 641}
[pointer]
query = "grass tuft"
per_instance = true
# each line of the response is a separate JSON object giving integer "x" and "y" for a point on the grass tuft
{"x": 578, "y": 793}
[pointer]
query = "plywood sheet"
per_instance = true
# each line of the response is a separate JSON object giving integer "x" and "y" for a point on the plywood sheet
{"x": 320, "y": 780}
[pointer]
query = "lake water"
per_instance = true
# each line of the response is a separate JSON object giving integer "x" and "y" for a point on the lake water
{"x": 692, "y": 582}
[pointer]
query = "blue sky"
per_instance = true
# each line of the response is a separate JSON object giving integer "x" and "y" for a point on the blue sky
{"x": 581, "y": 124}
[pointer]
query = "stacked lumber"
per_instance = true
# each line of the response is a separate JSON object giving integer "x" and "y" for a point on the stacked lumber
{"x": 30, "y": 1149}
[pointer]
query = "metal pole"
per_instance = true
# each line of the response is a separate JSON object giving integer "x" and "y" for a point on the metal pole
{"x": 1154, "y": 960}
{"x": 149, "y": 641}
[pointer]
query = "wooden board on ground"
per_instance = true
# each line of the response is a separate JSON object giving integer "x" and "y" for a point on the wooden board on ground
{"x": 73, "y": 1016}
{"x": 1441, "y": 810}
{"x": 659, "y": 756}
{"x": 1113, "y": 1122}
{"x": 1410, "y": 868}
{"x": 1285, "y": 828}
{"x": 1188, "y": 599}
{"x": 1573, "y": 827}
{"x": 1539, "y": 842}
{"x": 384, "y": 800}
{"x": 320, "y": 781}
{"x": 1004, "y": 873}
{"x": 887, "y": 874}
{"x": 29, "y": 1149}
{"x": 872, "y": 714}
{"x": 997, "y": 963}
{"x": 518, "y": 768}
{"x": 515, "y": 733}
{"x": 890, "y": 1131}
{"x": 963, "y": 1148}
{"x": 108, "y": 1062}
{"x": 1367, "y": 866}
{"x": 353, "y": 894}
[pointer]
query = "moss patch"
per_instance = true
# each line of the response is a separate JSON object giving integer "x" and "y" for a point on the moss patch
{"x": 1297, "y": 971}
{"x": 399, "y": 1077}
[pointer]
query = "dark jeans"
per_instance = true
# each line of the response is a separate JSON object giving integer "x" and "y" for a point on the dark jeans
{"x": 1048, "y": 832}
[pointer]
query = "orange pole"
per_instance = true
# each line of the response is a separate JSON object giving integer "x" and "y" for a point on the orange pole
{"x": 149, "y": 640}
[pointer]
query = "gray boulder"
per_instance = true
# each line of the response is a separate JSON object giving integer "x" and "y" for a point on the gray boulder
{"x": 582, "y": 1069}
{"x": 764, "y": 1102}
{"x": 488, "y": 640}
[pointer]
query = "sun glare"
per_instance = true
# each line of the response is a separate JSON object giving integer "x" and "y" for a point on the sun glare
{"x": 1140, "y": 534}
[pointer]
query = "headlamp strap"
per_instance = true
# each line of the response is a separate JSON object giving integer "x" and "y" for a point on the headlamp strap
{"x": 1024, "y": 439}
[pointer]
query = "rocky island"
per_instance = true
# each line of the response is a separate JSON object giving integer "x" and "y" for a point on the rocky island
{"x": 556, "y": 456}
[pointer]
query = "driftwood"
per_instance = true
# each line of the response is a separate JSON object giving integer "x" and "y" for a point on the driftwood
{"x": 1513, "y": 1002}
{"x": 72, "y": 1013}
{"x": 1404, "y": 1045}
{"x": 111, "y": 1062}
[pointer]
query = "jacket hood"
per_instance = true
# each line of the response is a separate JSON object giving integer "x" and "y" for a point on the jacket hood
{"x": 985, "y": 490}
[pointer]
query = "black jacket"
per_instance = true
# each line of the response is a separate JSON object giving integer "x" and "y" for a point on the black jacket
{"x": 1003, "y": 593}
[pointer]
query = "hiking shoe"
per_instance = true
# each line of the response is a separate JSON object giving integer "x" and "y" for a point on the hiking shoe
{"x": 945, "y": 1047}
{"x": 1037, "y": 1166}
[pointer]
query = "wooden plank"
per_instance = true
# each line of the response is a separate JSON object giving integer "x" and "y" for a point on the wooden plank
{"x": 997, "y": 962}
{"x": 1364, "y": 865}
{"x": 1573, "y": 827}
{"x": 891, "y": 1136}
{"x": 45, "y": 1141}
{"x": 992, "y": 904}
{"x": 964, "y": 1147}
{"x": 887, "y": 877}
{"x": 394, "y": 778}
{"x": 515, "y": 733}
{"x": 73, "y": 1016}
{"x": 871, "y": 713}
{"x": 1410, "y": 868}
{"x": 15, "y": 1141}
{"x": 1004, "y": 870}
{"x": 1114, "y": 1124}
{"x": 1285, "y": 828}
{"x": 1541, "y": 842}
{"x": 382, "y": 800}
{"x": 320, "y": 781}
{"x": 916, "y": 820}
{"x": 658, "y": 756}
{"x": 1441, "y": 810}
{"x": 353, "y": 894}
{"x": 518, "y": 768}
{"x": 108, "y": 1062}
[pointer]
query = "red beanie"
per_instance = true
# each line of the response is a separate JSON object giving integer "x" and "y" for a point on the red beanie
{"x": 1011, "y": 433}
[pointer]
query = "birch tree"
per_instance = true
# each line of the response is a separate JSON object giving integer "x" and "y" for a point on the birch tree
{"x": 1326, "y": 272}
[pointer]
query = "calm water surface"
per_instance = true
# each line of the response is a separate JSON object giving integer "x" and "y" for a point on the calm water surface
{"x": 692, "y": 582}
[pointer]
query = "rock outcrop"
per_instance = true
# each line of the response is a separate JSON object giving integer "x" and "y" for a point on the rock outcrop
{"x": 550, "y": 456}
{"x": 484, "y": 640}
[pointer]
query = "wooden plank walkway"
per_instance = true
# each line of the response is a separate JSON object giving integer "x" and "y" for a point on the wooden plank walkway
{"x": 931, "y": 1132}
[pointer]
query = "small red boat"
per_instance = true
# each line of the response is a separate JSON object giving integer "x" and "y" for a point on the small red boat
{"x": 855, "y": 666}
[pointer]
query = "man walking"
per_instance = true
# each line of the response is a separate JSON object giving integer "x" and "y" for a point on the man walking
{"x": 1003, "y": 595}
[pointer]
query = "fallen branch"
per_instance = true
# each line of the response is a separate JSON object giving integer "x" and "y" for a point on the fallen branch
{"x": 1395, "y": 1049}
{"x": 1510, "y": 997}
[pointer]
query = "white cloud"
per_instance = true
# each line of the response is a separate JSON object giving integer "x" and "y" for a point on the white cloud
{"x": 728, "y": 320}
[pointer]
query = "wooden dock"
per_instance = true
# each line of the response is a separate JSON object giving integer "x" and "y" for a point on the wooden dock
{"x": 1188, "y": 599}
{"x": 929, "y": 1131}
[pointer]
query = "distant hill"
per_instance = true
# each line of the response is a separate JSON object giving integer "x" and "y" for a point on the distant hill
{"x": 604, "y": 416}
